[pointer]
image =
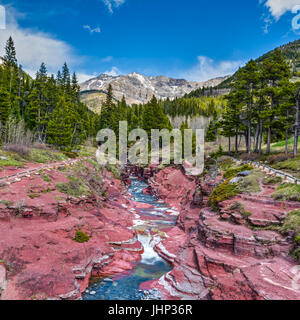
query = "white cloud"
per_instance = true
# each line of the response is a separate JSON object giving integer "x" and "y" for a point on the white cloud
{"x": 113, "y": 72}
{"x": 82, "y": 77}
{"x": 34, "y": 47}
{"x": 278, "y": 8}
{"x": 207, "y": 69}
{"x": 112, "y": 4}
{"x": 92, "y": 30}
{"x": 107, "y": 59}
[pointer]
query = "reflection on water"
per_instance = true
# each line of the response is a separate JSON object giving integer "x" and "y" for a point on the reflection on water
{"x": 151, "y": 266}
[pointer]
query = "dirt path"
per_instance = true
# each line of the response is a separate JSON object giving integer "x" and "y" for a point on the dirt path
{"x": 17, "y": 174}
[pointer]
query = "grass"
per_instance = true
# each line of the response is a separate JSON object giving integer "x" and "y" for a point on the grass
{"x": 113, "y": 169}
{"x": 282, "y": 143}
{"x": 81, "y": 237}
{"x": 251, "y": 183}
{"x": 11, "y": 163}
{"x": 75, "y": 188}
{"x": 45, "y": 156}
{"x": 46, "y": 178}
{"x": 239, "y": 207}
{"x": 272, "y": 180}
{"x": 287, "y": 192}
{"x": 221, "y": 193}
{"x": 6, "y": 202}
{"x": 292, "y": 224}
{"x": 292, "y": 164}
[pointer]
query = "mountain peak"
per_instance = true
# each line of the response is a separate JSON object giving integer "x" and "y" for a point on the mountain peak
{"x": 138, "y": 88}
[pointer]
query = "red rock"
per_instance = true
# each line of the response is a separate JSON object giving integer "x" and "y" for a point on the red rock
{"x": 216, "y": 259}
{"x": 37, "y": 238}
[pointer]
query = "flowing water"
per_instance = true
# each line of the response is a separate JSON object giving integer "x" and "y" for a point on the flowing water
{"x": 151, "y": 266}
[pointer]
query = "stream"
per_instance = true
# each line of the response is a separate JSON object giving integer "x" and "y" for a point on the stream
{"x": 151, "y": 266}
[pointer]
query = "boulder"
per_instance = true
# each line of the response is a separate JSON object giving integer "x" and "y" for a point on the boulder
{"x": 245, "y": 173}
{"x": 236, "y": 180}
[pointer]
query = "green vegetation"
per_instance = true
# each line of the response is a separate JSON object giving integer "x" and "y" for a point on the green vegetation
{"x": 113, "y": 169}
{"x": 48, "y": 106}
{"x": 283, "y": 143}
{"x": 81, "y": 237}
{"x": 287, "y": 192}
{"x": 46, "y": 178}
{"x": 262, "y": 106}
{"x": 239, "y": 207}
{"x": 6, "y": 202}
{"x": 292, "y": 164}
{"x": 45, "y": 156}
{"x": 232, "y": 172}
{"x": 272, "y": 180}
{"x": 10, "y": 163}
{"x": 251, "y": 183}
{"x": 292, "y": 224}
{"x": 193, "y": 106}
{"x": 221, "y": 193}
{"x": 75, "y": 188}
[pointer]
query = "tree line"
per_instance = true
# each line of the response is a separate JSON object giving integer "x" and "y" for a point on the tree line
{"x": 49, "y": 105}
{"x": 262, "y": 106}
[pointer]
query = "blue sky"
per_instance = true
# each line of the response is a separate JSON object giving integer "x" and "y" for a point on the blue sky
{"x": 192, "y": 39}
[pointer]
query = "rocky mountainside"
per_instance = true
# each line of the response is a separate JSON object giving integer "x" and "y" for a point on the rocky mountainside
{"x": 138, "y": 88}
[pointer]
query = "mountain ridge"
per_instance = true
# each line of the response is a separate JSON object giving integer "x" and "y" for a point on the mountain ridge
{"x": 138, "y": 88}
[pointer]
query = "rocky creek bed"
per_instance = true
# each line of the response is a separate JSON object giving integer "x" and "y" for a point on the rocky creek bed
{"x": 149, "y": 224}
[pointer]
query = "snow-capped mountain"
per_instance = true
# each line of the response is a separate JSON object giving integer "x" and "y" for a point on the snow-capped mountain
{"x": 138, "y": 88}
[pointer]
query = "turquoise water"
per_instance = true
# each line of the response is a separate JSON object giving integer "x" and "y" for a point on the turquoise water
{"x": 151, "y": 266}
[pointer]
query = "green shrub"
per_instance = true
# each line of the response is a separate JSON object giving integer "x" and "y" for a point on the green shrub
{"x": 45, "y": 156}
{"x": 292, "y": 223}
{"x": 291, "y": 164}
{"x": 6, "y": 202}
{"x": 239, "y": 207}
{"x": 46, "y": 178}
{"x": 221, "y": 193}
{"x": 272, "y": 180}
{"x": 81, "y": 237}
{"x": 287, "y": 192}
{"x": 74, "y": 188}
{"x": 236, "y": 206}
{"x": 70, "y": 154}
{"x": 113, "y": 169}
{"x": 11, "y": 163}
{"x": 251, "y": 183}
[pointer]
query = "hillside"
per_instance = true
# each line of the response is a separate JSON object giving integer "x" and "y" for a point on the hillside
{"x": 290, "y": 51}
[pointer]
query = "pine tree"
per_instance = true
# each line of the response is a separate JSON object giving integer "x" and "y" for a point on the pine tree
{"x": 10, "y": 59}
{"x": 5, "y": 105}
{"x": 154, "y": 117}
{"x": 107, "y": 115}
{"x": 274, "y": 70}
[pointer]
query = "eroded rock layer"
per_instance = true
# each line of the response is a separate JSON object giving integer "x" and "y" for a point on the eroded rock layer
{"x": 219, "y": 256}
{"x": 39, "y": 257}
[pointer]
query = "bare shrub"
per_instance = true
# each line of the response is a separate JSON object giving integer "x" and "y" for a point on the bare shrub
{"x": 20, "y": 149}
{"x": 250, "y": 157}
{"x": 40, "y": 146}
{"x": 15, "y": 133}
{"x": 275, "y": 158}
